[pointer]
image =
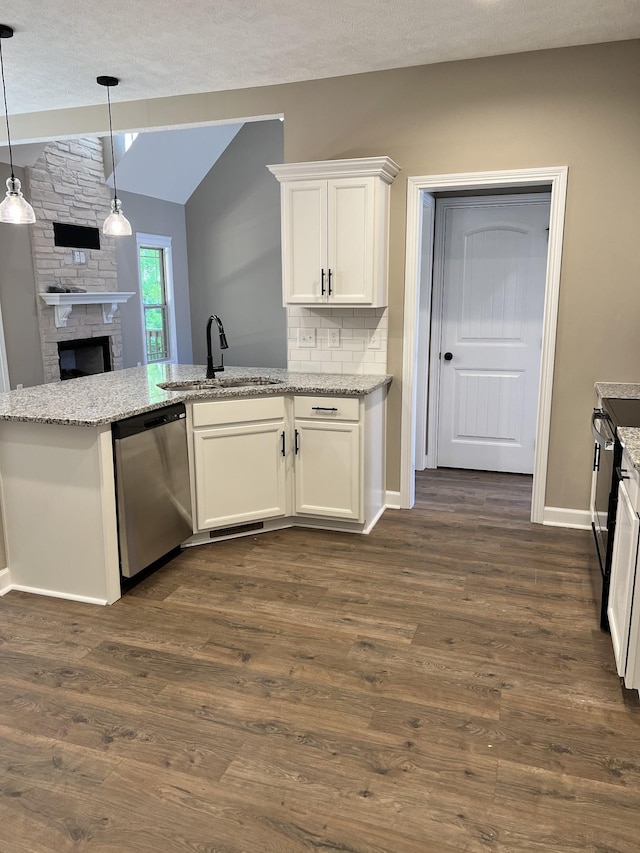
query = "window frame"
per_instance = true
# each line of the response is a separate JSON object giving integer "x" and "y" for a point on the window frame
{"x": 159, "y": 241}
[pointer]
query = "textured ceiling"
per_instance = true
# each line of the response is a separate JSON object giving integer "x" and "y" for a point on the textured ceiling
{"x": 164, "y": 47}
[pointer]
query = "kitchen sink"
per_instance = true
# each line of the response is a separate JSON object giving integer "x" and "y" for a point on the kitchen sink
{"x": 224, "y": 382}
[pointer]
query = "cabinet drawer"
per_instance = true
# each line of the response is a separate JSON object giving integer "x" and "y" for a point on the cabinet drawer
{"x": 328, "y": 408}
{"x": 215, "y": 412}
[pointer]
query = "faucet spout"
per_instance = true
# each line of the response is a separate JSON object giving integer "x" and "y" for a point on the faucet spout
{"x": 212, "y": 368}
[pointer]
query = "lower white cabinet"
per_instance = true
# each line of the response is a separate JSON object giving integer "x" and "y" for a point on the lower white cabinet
{"x": 327, "y": 469}
{"x": 239, "y": 463}
{"x": 624, "y": 594}
{"x": 309, "y": 458}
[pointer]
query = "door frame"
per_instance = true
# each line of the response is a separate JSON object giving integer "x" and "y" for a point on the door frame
{"x": 430, "y": 366}
{"x": 417, "y": 311}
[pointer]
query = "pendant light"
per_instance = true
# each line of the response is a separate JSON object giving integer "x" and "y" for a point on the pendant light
{"x": 116, "y": 224}
{"x": 14, "y": 209}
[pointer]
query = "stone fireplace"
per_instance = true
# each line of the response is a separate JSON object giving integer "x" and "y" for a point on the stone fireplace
{"x": 84, "y": 357}
{"x": 66, "y": 185}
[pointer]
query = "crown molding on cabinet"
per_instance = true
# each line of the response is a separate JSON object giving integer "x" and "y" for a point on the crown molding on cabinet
{"x": 360, "y": 167}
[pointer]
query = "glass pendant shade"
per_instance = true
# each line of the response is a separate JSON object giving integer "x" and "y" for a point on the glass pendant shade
{"x": 116, "y": 224}
{"x": 15, "y": 209}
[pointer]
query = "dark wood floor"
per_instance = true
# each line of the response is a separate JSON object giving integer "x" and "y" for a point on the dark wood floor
{"x": 438, "y": 686}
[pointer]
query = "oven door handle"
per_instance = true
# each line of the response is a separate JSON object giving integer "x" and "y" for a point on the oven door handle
{"x": 606, "y": 442}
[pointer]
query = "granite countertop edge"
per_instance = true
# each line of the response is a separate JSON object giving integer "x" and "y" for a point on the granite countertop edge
{"x": 108, "y": 397}
{"x": 629, "y": 436}
{"x": 618, "y": 390}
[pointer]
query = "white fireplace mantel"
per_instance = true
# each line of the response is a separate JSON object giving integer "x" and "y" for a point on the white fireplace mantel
{"x": 63, "y": 303}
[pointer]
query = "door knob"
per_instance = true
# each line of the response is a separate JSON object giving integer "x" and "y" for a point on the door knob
{"x": 448, "y": 356}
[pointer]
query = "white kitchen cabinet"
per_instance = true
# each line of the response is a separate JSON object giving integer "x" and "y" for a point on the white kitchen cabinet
{"x": 335, "y": 231}
{"x": 624, "y": 594}
{"x": 239, "y": 449}
{"x": 327, "y": 469}
{"x": 311, "y": 460}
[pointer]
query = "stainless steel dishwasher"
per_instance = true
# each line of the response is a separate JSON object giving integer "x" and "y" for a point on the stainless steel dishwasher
{"x": 152, "y": 486}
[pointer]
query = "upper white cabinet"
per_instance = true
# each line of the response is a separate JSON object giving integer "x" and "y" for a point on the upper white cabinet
{"x": 335, "y": 231}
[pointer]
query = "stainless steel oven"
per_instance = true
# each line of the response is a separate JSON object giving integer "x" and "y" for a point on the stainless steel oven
{"x": 607, "y": 459}
{"x": 604, "y": 499}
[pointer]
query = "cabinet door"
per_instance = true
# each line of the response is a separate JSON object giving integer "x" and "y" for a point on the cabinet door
{"x": 304, "y": 241}
{"x": 351, "y": 234}
{"x": 623, "y": 575}
{"x": 240, "y": 474}
{"x": 327, "y": 469}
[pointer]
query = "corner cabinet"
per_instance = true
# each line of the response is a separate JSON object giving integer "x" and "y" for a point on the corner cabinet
{"x": 306, "y": 460}
{"x": 335, "y": 231}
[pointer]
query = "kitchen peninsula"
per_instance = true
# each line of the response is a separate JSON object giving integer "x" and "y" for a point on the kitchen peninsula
{"x": 57, "y": 472}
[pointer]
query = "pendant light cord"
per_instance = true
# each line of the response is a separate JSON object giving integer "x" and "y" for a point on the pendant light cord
{"x": 6, "y": 115}
{"x": 113, "y": 159}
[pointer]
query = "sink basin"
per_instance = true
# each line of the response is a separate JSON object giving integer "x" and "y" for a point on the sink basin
{"x": 224, "y": 382}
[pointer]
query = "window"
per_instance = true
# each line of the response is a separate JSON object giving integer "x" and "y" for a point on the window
{"x": 156, "y": 293}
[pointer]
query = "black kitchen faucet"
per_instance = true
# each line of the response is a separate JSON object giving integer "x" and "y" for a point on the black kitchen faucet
{"x": 217, "y": 368}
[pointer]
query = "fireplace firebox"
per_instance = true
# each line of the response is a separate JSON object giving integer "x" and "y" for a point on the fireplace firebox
{"x": 84, "y": 357}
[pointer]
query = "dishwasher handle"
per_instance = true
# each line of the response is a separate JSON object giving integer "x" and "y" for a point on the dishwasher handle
{"x": 604, "y": 441}
{"x": 148, "y": 420}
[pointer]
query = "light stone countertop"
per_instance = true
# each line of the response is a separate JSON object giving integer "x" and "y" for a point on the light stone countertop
{"x": 629, "y": 436}
{"x": 108, "y": 397}
{"x": 619, "y": 390}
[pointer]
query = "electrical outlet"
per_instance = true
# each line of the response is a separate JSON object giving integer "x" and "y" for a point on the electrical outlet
{"x": 333, "y": 338}
{"x": 374, "y": 339}
{"x": 306, "y": 338}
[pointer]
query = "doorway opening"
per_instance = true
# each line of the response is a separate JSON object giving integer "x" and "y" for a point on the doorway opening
{"x": 481, "y": 371}
{"x": 418, "y": 309}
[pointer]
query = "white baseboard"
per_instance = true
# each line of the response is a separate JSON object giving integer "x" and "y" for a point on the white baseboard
{"x": 392, "y": 500}
{"x": 376, "y": 518}
{"x": 555, "y": 516}
{"x": 85, "y": 599}
{"x": 5, "y": 581}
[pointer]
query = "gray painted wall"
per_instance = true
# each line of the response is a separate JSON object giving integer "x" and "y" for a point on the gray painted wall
{"x": 233, "y": 237}
{"x": 18, "y": 298}
{"x": 152, "y": 216}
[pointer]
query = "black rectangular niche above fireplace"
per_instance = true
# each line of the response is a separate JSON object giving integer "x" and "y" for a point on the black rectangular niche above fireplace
{"x": 84, "y": 357}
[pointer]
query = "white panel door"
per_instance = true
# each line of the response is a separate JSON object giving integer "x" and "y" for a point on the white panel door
{"x": 351, "y": 211}
{"x": 304, "y": 239}
{"x": 493, "y": 300}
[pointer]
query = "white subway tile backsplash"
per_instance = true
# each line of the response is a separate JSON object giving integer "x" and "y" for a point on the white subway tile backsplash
{"x": 300, "y": 354}
{"x": 352, "y": 355}
{"x": 353, "y": 344}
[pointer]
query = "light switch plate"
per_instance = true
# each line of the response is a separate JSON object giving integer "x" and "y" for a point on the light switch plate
{"x": 333, "y": 339}
{"x": 306, "y": 338}
{"x": 374, "y": 339}
{"x": 79, "y": 257}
